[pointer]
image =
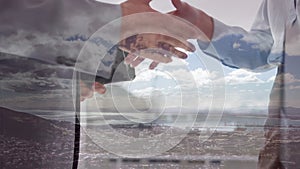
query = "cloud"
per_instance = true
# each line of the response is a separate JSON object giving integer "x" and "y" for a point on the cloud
{"x": 150, "y": 75}
{"x": 28, "y": 76}
{"x": 293, "y": 87}
{"x": 143, "y": 92}
{"x": 203, "y": 77}
{"x": 40, "y": 45}
{"x": 292, "y": 46}
{"x": 241, "y": 41}
{"x": 272, "y": 79}
{"x": 241, "y": 76}
{"x": 290, "y": 78}
{"x": 258, "y": 41}
{"x": 54, "y": 32}
{"x": 236, "y": 45}
{"x": 194, "y": 78}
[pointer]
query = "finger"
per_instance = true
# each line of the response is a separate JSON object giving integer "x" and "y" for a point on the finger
{"x": 85, "y": 93}
{"x": 175, "y": 13}
{"x": 153, "y": 65}
{"x": 146, "y": 1}
{"x": 155, "y": 55}
{"x": 137, "y": 61}
{"x": 186, "y": 46}
{"x": 129, "y": 58}
{"x": 179, "y": 54}
{"x": 99, "y": 88}
{"x": 86, "y": 96}
{"x": 172, "y": 12}
{"x": 82, "y": 99}
{"x": 141, "y": 1}
{"x": 177, "y": 4}
{"x": 128, "y": 44}
{"x": 123, "y": 48}
{"x": 172, "y": 51}
{"x": 175, "y": 43}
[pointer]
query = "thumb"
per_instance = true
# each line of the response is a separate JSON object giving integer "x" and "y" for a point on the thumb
{"x": 141, "y": 1}
{"x": 99, "y": 88}
{"x": 147, "y": 1}
{"x": 177, "y": 4}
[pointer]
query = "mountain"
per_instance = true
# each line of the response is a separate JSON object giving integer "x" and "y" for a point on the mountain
{"x": 293, "y": 113}
{"x": 28, "y": 141}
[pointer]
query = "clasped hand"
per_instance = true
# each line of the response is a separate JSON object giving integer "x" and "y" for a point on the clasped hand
{"x": 147, "y": 33}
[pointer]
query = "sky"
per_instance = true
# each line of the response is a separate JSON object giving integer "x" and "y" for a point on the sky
{"x": 243, "y": 89}
{"x": 232, "y": 12}
{"x": 189, "y": 83}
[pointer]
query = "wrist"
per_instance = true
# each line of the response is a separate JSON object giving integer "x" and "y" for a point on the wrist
{"x": 140, "y": 1}
{"x": 205, "y": 23}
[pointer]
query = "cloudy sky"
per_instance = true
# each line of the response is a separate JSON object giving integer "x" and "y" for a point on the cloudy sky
{"x": 243, "y": 89}
{"x": 232, "y": 12}
{"x": 186, "y": 83}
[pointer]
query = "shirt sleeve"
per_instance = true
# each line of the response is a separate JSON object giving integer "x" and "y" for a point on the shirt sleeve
{"x": 238, "y": 48}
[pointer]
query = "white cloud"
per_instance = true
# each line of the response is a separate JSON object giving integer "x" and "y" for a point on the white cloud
{"x": 148, "y": 75}
{"x": 203, "y": 77}
{"x": 292, "y": 46}
{"x": 293, "y": 87}
{"x": 271, "y": 79}
{"x": 236, "y": 45}
{"x": 289, "y": 78}
{"x": 241, "y": 76}
{"x": 254, "y": 38}
{"x": 143, "y": 92}
{"x": 193, "y": 79}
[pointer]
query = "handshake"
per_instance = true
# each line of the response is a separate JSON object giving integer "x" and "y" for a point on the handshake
{"x": 156, "y": 36}
{"x": 147, "y": 33}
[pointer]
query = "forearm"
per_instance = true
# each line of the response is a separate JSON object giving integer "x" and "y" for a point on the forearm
{"x": 205, "y": 23}
{"x": 238, "y": 48}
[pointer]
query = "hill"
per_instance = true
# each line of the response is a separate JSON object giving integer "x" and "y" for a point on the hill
{"x": 28, "y": 141}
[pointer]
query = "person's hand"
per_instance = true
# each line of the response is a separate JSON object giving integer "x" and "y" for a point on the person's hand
{"x": 195, "y": 16}
{"x": 155, "y": 46}
{"x": 87, "y": 92}
{"x": 130, "y": 7}
{"x": 159, "y": 48}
